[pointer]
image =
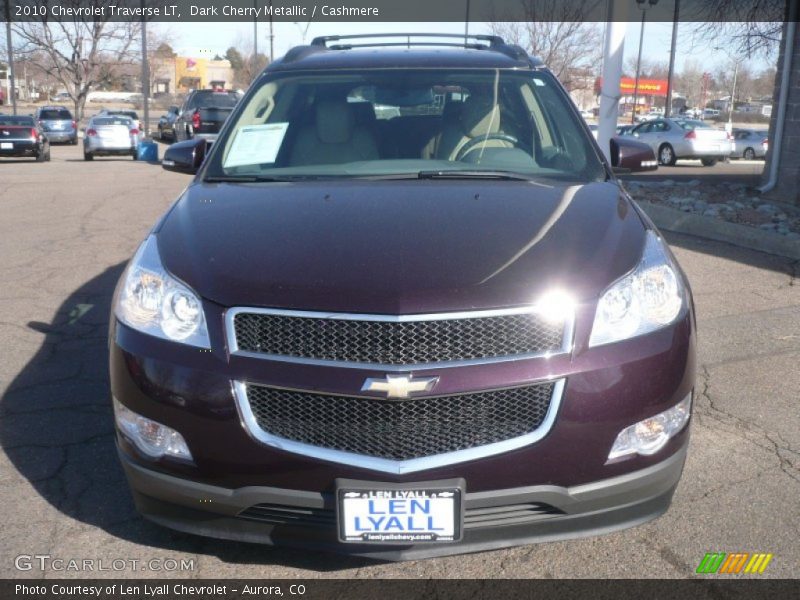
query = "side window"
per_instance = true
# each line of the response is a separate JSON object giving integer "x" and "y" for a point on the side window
{"x": 643, "y": 128}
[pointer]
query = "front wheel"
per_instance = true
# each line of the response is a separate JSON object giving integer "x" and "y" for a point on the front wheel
{"x": 708, "y": 162}
{"x": 666, "y": 155}
{"x": 749, "y": 154}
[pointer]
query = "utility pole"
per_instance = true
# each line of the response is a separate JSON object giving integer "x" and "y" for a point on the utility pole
{"x": 255, "y": 33}
{"x": 145, "y": 77}
{"x": 271, "y": 36}
{"x": 670, "y": 74}
{"x": 466, "y": 25}
{"x": 733, "y": 96}
{"x": 10, "y": 74}
{"x": 643, "y": 7}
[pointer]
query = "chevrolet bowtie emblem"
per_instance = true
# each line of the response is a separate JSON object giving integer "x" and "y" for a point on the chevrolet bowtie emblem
{"x": 399, "y": 386}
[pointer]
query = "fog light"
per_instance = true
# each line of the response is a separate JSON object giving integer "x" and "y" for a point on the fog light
{"x": 650, "y": 435}
{"x": 152, "y": 438}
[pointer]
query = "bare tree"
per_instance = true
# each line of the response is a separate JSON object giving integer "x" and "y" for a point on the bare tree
{"x": 78, "y": 53}
{"x": 556, "y": 32}
{"x": 750, "y": 29}
{"x": 246, "y": 66}
{"x": 648, "y": 69}
{"x": 160, "y": 56}
{"x": 689, "y": 82}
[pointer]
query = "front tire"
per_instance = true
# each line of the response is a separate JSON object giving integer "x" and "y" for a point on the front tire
{"x": 666, "y": 155}
{"x": 87, "y": 156}
{"x": 708, "y": 162}
{"x": 749, "y": 154}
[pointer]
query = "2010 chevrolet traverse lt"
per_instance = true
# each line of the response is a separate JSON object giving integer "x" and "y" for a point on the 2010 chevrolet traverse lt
{"x": 404, "y": 309}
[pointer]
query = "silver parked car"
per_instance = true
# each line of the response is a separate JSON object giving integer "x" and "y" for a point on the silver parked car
{"x": 750, "y": 143}
{"x": 58, "y": 124}
{"x": 672, "y": 139}
{"x": 110, "y": 135}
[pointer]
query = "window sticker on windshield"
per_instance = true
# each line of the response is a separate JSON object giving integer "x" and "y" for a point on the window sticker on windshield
{"x": 256, "y": 144}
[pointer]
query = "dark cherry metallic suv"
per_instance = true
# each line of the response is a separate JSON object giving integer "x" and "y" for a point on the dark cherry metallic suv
{"x": 404, "y": 309}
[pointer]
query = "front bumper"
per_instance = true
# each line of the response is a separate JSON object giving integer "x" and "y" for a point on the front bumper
{"x": 578, "y": 511}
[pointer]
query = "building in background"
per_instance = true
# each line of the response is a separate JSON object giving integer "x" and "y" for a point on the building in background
{"x": 193, "y": 73}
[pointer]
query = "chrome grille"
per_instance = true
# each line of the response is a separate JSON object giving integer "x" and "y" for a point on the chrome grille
{"x": 399, "y": 430}
{"x": 395, "y": 341}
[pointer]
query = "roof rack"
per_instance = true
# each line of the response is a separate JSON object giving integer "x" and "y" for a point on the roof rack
{"x": 480, "y": 42}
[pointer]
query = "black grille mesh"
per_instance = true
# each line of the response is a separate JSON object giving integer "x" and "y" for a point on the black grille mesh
{"x": 474, "y": 518}
{"x": 404, "y": 429}
{"x": 396, "y": 343}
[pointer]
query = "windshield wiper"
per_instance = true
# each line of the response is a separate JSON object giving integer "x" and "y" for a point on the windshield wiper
{"x": 256, "y": 178}
{"x": 229, "y": 179}
{"x": 467, "y": 174}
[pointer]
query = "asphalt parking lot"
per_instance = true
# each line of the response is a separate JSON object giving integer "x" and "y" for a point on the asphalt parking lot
{"x": 68, "y": 227}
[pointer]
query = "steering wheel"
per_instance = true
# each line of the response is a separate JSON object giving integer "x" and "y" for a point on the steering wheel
{"x": 466, "y": 148}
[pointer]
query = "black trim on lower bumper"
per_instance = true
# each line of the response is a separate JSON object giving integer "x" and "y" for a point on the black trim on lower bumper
{"x": 579, "y": 511}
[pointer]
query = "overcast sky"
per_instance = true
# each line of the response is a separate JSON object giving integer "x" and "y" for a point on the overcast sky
{"x": 190, "y": 38}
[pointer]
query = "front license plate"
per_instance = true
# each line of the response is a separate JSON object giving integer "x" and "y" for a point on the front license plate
{"x": 399, "y": 515}
{"x": 6, "y": 146}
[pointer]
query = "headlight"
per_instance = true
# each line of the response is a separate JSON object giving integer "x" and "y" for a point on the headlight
{"x": 645, "y": 300}
{"x": 152, "y": 438}
{"x": 153, "y": 302}
{"x": 651, "y": 435}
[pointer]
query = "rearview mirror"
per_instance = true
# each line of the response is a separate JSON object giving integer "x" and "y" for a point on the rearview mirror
{"x": 185, "y": 157}
{"x": 631, "y": 156}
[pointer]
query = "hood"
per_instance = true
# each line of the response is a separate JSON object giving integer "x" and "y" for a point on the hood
{"x": 398, "y": 247}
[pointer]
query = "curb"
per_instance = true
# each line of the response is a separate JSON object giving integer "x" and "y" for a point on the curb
{"x": 670, "y": 219}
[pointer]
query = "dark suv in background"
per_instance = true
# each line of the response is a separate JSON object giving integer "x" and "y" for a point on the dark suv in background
{"x": 404, "y": 309}
{"x": 203, "y": 114}
{"x": 58, "y": 124}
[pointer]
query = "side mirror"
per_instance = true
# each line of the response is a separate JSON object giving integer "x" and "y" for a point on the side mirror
{"x": 185, "y": 157}
{"x": 630, "y": 156}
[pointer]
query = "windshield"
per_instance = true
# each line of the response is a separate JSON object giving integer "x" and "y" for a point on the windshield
{"x": 388, "y": 122}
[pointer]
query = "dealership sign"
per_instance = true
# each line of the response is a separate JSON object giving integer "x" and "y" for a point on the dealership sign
{"x": 647, "y": 87}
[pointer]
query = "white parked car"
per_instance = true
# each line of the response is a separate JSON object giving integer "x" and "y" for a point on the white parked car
{"x": 672, "y": 139}
{"x": 110, "y": 135}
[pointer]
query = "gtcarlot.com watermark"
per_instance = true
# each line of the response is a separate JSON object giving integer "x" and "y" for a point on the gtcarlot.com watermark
{"x": 48, "y": 562}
